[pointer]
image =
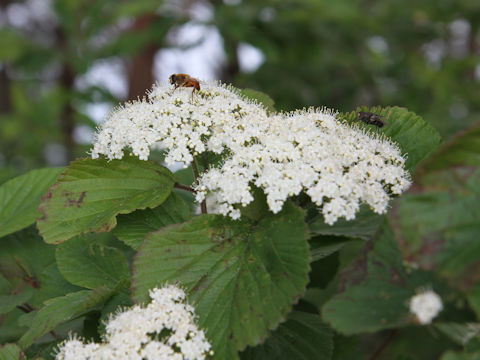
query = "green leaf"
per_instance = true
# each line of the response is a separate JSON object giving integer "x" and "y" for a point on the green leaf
{"x": 323, "y": 246}
{"x": 450, "y": 355}
{"x": 364, "y": 226}
{"x": 241, "y": 278}
{"x": 323, "y": 271}
{"x": 462, "y": 149}
{"x": 11, "y": 352}
{"x": 461, "y": 333}
{"x": 474, "y": 298}
{"x": 92, "y": 192}
{"x": 414, "y": 136}
{"x": 132, "y": 228}
{"x": 440, "y": 227}
{"x": 260, "y": 97}
{"x": 20, "y": 197}
{"x": 258, "y": 208}
{"x": 61, "y": 309}
{"x": 52, "y": 285}
{"x": 9, "y": 302}
{"x": 5, "y": 286}
{"x": 83, "y": 261}
{"x": 24, "y": 256}
{"x": 380, "y": 300}
{"x": 302, "y": 337}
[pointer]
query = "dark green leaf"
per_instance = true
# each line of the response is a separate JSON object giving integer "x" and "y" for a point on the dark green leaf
{"x": 92, "y": 192}
{"x": 323, "y": 271}
{"x": 62, "y": 309}
{"x": 83, "y": 261}
{"x": 474, "y": 298}
{"x": 258, "y": 208}
{"x": 461, "y": 333}
{"x": 302, "y": 336}
{"x": 450, "y": 355}
{"x": 380, "y": 300}
{"x": 20, "y": 197}
{"x": 9, "y": 302}
{"x": 364, "y": 226}
{"x": 5, "y": 286}
{"x": 24, "y": 256}
{"x": 323, "y": 246}
{"x": 132, "y": 228}
{"x": 242, "y": 279}
{"x": 52, "y": 285}
{"x": 441, "y": 226}
{"x": 462, "y": 149}
{"x": 11, "y": 330}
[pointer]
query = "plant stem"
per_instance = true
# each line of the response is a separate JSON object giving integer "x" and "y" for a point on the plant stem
{"x": 185, "y": 187}
{"x": 203, "y": 204}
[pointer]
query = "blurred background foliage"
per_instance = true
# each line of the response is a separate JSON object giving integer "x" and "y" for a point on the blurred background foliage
{"x": 57, "y": 58}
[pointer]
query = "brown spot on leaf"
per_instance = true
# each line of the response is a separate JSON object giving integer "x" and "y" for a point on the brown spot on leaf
{"x": 73, "y": 200}
{"x": 45, "y": 197}
{"x": 81, "y": 198}
{"x": 105, "y": 228}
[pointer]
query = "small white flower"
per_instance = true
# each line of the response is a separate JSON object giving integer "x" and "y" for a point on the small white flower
{"x": 134, "y": 333}
{"x": 425, "y": 306}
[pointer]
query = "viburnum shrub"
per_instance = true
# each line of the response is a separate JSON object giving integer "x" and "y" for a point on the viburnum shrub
{"x": 278, "y": 239}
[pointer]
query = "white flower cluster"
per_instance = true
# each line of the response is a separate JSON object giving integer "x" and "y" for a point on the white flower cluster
{"x": 183, "y": 124}
{"x": 425, "y": 306}
{"x": 165, "y": 329}
{"x": 337, "y": 165}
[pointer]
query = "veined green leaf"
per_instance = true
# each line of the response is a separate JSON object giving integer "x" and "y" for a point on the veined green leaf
{"x": 61, "y": 309}
{"x": 92, "y": 192}
{"x": 302, "y": 337}
{"x": 241, "y": 278}
{"x": 88, "y": 263}
{"x": 20, "y": 197}
{"x": 132, "y": 228}
{"x": 463, "y": 149}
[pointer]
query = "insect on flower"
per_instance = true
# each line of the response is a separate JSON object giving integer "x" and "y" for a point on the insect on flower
{"x": 370, "y": 118}
{"x": 184, "y": 80}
